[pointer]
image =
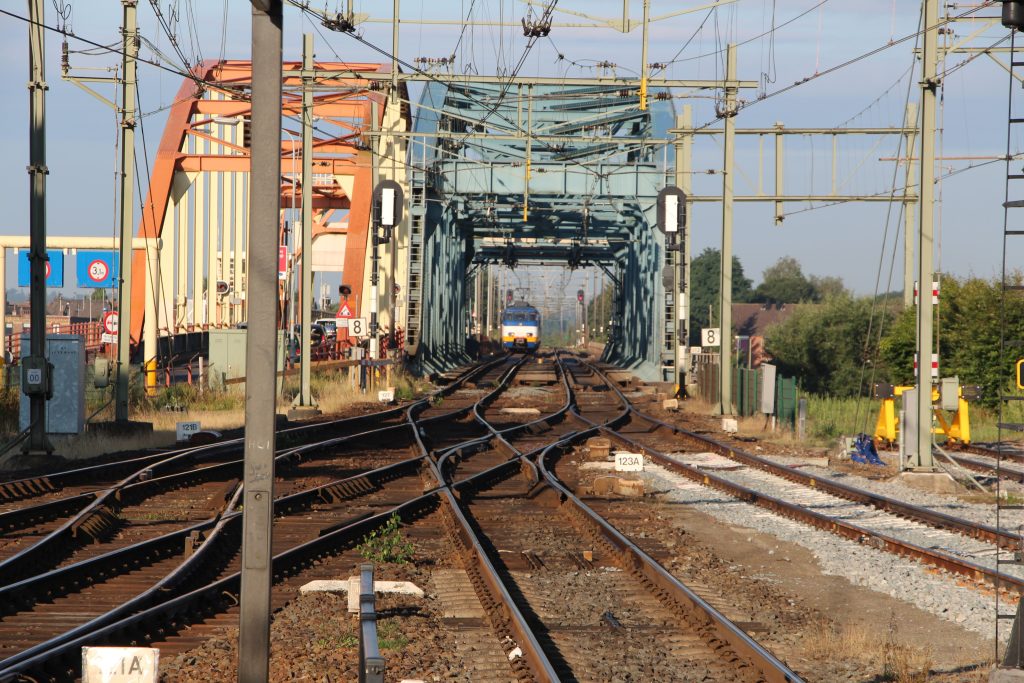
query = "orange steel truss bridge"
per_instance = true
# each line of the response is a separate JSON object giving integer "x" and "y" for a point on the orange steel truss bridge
{"x": 198, "y": 195}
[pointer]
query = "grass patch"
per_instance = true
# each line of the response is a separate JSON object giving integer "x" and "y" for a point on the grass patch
{"x": 890, "y": 659}
{"x": 387, "y": 544}
{"x": 390, "y": 636}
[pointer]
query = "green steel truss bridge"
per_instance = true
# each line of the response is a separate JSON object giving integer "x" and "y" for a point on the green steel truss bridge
{"x": 538, "y": 174}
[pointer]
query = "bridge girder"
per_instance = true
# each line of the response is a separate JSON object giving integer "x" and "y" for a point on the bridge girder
{"x": 199, "y": 184}
{"x": 493, "y": 186}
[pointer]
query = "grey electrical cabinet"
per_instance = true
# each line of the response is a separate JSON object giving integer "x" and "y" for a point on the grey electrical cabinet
{"x": 65, "y": 412}
{"x": 227, "y": 355}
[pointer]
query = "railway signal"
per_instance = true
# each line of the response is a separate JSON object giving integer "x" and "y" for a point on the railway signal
{"x": 671, "y": 210}
{"x": 388, "y": 200}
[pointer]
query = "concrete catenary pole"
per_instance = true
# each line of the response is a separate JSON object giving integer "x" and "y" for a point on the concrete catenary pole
{"x": 37, "y": 441}
{"x": 126, "y": 212}
{"x": 909, "y": 224}
{"x": 260, "y": 356}
{"x": 305, "y": 397}
{"x": 725, "y": 285}
{"x": 922, "y": 458}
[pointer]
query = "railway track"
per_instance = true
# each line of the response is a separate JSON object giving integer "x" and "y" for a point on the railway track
{"x": 455, "y": 478}
{"x": 303, "y": 519}
{"x": 952, "y": 544}
{"x": 526, "y": 540}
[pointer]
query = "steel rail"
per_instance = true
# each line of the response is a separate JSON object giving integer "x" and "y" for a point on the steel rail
{"x": 298, "y": 499}
{"x": 818, "y": 520}
{"x": 918, "y": 513}
{"x": 61, "y": 663}
{"x": 833, "y": 525}
{"x": 712, "y": 625}
{"x": 104, "y": 504}
{"x": 28, "y": 487}
{"x": 504, "y": 614}
{"x": 1004, "y": 472}
{"x": 349, "y": 487}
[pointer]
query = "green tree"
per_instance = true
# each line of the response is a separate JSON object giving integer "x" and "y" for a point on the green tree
{"x": 826, "y": 346}
{"x": 827, "y": 286}
{"x": 705, "y": 274}
{"x": 785, "y": 283}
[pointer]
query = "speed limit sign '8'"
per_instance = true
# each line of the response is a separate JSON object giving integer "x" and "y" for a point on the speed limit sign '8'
{"x": 710, "y": 336}
{"x": 357, "y": 327}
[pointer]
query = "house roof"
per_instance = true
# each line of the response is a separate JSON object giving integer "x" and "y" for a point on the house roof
{"x": 755, "y": 319}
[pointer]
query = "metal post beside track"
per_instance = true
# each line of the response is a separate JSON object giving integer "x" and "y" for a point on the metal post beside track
{"x": 371, "y": 664}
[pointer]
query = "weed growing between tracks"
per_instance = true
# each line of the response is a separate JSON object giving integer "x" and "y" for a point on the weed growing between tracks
{"x": 387, "y": 544}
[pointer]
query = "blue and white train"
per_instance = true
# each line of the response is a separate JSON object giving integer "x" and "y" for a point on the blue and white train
{"x": 520, "y": 327}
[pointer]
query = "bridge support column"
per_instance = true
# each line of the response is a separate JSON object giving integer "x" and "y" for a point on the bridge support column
{"x": 149, "y": 334}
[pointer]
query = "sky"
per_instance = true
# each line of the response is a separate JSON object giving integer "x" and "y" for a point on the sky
{"x": 848, "y": 240}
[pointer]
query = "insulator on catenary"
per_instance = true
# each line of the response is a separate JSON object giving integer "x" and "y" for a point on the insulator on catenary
{"x": 1013, "y": 14}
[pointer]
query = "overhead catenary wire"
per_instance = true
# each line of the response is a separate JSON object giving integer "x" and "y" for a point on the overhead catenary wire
{"x": 853, "y": 60}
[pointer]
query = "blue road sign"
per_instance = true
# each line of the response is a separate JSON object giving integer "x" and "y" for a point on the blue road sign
{"x": 54, "y": 268}
{"x": 97, "y": 268}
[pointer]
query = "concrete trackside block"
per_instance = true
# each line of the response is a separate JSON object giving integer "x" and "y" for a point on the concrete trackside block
{"x": 399, "y": 587}
{"x": 325, "y": 586}
{"x": 670, "y": 404}
{"x": 532, "y": 412}
{"x": 303, "y": 412}
{"x": 599, "y": 447}
{"x": 353, "y": 595}
{"x": 628, "y": 488}
{"x": 936, "y": 482}
{"x": 730, "y": 425}
{"x": 350, "y": 586}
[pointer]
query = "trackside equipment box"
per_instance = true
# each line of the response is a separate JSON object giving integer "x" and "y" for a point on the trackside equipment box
{"x": 227, "y": 355}
{"x": 65, "y": 412}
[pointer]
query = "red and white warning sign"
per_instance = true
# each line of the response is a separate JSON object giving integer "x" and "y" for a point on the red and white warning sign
{"x": 110, "y": 322}
{"x": 935, "y": 292}
{"x": 344, "y": 311}
{"x": 98, "y": 270}
{"x": 935, "y": 364}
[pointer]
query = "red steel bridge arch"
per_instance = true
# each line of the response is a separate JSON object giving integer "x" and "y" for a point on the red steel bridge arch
{"x": 197, "y": 196}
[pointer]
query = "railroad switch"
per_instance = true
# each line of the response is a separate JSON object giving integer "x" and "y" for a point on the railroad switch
{"x": 192, "y": 543}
